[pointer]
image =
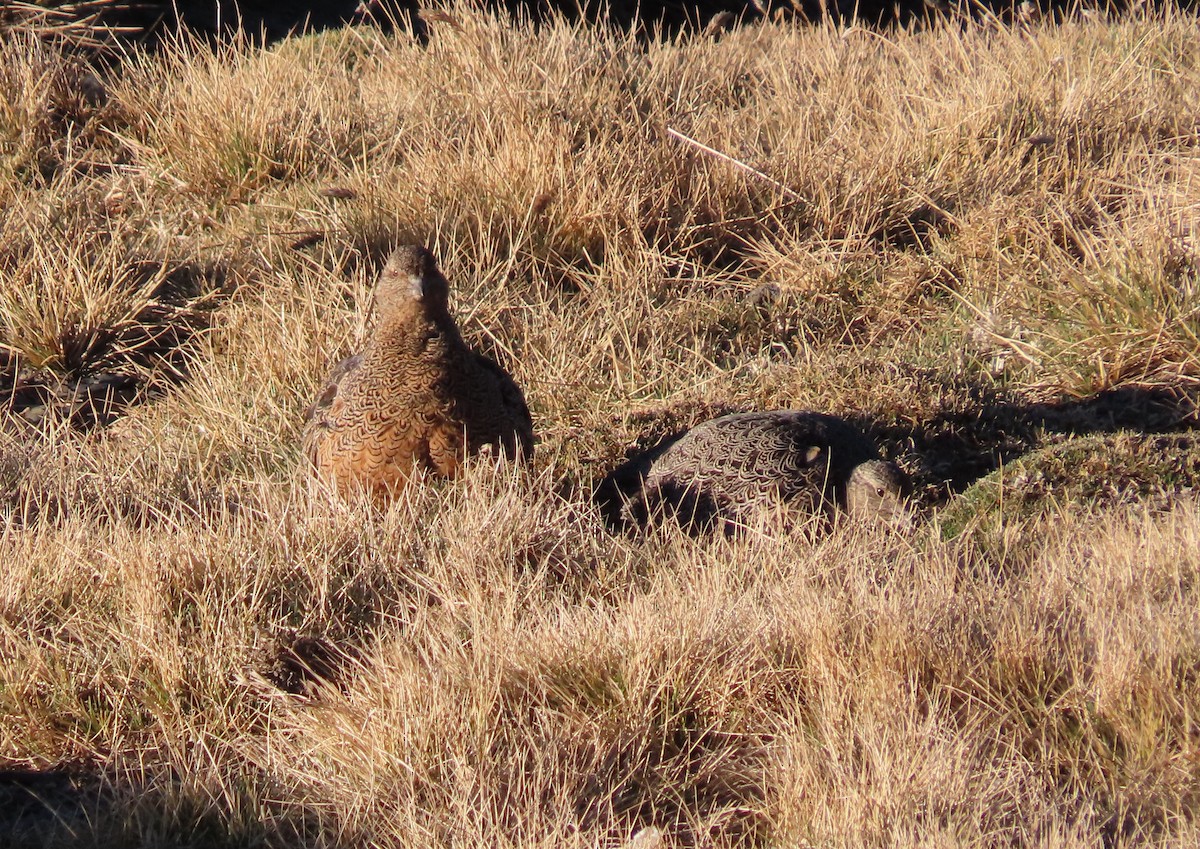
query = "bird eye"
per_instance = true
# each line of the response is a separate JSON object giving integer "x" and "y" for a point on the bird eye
{"x": 879, "y": 492}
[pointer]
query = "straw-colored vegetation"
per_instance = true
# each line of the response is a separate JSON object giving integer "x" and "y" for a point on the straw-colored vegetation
{"x": 975, "y": 240}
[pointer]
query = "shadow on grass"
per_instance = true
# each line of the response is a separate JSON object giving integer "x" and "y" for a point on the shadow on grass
{"x": 947, "y": 452}
{"x": 52, "y": 807}
{"x": 101, "y": 371}
{"x": 80, "y": 808}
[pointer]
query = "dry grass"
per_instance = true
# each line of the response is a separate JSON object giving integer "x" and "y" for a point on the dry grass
{"x": 86, "y": 24}
{"x": 993, "y": 249}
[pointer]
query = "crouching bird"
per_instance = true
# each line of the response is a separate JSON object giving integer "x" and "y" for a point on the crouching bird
{"x": 723, "y": 472}
{"x": 416, "y": 399}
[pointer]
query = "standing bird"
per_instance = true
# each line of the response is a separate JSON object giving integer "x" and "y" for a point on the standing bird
{"x": 416, "y": 398}
{"x": 724, "y": 471}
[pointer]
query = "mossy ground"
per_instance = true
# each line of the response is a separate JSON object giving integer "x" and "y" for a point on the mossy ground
{"x": 1093, "y": 474}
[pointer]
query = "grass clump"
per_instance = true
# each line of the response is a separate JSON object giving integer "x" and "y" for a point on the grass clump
{"x": 97, "y": 315}
{"x": 1133, "y": 324}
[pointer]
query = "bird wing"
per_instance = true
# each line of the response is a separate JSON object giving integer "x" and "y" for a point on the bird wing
{"x": 319, "y": 408}
{"x": 318, "y": 417}
{"x": 621, "y": 494}
{"x": 743, "y": 459}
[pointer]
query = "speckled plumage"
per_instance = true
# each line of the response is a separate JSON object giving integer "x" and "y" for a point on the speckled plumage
{"x": 416, "y": 397}
{"x": 726, "y": 470}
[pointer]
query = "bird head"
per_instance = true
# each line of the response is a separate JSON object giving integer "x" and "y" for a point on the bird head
{"x": 410, "y": 276}
{"x": 878, "y": 488}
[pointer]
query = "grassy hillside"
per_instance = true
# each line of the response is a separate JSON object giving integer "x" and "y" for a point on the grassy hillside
{"x": 975, "y": 241}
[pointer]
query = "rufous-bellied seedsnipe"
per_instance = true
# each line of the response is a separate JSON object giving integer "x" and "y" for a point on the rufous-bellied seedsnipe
{"x": 724, "y": 471}
{"x": 416, "y": 398}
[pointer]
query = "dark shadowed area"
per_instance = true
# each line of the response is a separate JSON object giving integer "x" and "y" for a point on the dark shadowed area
{"x": 150, "y": 20}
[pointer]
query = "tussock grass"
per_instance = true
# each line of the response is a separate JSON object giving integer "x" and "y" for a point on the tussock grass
{"x": 976, "y": 241}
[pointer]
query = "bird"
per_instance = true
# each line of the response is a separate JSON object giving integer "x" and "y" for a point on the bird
{"x": 416, "y": 399}
{"x": 724, "y": 471}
